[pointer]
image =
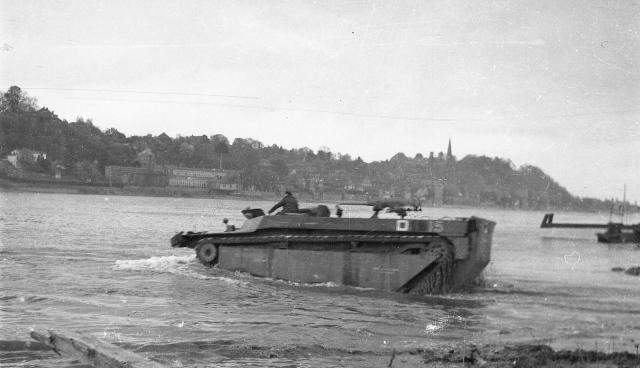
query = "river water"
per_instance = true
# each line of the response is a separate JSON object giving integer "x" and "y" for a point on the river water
{"x": 102, "y": 265}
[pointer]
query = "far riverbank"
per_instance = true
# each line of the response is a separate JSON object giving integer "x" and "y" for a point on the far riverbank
{"x": 36, "y": 186}
{"x": 39, "y": 186}
{"x": 66, "y": 188}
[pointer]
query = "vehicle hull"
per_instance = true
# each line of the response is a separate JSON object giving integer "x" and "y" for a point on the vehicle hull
{"x": 412, "y": 256}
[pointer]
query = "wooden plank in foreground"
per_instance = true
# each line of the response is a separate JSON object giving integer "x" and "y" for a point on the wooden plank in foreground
{"x": 93, "y": 351}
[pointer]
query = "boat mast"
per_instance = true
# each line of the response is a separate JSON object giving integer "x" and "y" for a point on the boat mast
{"x": 613, "y": 204}
{"x": 624, "y": 203}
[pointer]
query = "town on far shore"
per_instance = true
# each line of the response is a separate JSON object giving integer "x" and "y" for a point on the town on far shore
{"x": 41, "y": 152}
{"x": 308, "y": 183}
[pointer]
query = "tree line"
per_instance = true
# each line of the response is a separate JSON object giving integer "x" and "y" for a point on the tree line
{"x": 84, "y": 150}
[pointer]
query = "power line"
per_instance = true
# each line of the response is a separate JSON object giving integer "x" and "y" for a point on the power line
{"x": 272, "y": 108}
{"x": 141, "y": 92}
{"x": 336, "y": 112}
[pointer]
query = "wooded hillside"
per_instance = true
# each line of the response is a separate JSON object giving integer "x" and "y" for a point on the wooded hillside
{"x": 84, "y": 150}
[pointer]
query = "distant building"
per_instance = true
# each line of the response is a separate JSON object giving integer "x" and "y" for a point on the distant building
{"x": 358, "y": 186}
{"x": 188, "y": 181}
{"x": 58, "y": 169}
{"x": 13, "y": 159}
{"x": 223, "y": 180}
{"x": 201, "y": 173}
{"x": 366, "y": 184}
{"x": 138, "y": 176}
{"x": 450, "y": 156}
{"x": 19, "y": 154}
{"x": 154, "y": 176}
{"x": 450, "y": 178}
{"x": 441, "y": 185}
{"x": 147, "y": 159}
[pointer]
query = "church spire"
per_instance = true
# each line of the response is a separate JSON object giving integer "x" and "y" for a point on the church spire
{"x": 449, "y": 154}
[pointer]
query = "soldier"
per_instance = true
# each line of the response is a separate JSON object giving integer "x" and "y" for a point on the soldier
{"x": 289, "y": 204}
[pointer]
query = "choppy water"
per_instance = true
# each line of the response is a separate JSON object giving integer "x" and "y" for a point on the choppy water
{"x": 103, "y": 265}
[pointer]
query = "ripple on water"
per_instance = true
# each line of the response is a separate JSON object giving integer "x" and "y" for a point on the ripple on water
{"x": 179, "y": 265}
{"x": 105, "y": 266}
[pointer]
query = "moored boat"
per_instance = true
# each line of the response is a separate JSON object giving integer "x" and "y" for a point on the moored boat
{"x": 417, "y": 256}
{"x": 615, "y": 232}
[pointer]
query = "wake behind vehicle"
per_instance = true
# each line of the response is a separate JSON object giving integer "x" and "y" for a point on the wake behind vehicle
{"x": 417, "y": 256}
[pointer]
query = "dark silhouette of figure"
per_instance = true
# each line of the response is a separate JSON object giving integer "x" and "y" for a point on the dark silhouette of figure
{"x": 376, "y": 209}
{"x": 289, "y": 204}
{"x": 338, "y": 211}
{"x": 250, "y": 213}
{"x": 228, "y": 227}
{"x": 398, "y": 207}
{"x": 402, "y": 212}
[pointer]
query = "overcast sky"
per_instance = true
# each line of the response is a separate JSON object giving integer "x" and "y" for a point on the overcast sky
{"x": 554, "y": 84}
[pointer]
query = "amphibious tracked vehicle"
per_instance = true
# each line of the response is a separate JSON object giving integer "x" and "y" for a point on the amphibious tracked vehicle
{"x": 417, "y": 256}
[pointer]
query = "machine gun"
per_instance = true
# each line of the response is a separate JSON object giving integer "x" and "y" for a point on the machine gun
{"x": 398, "y": 207}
